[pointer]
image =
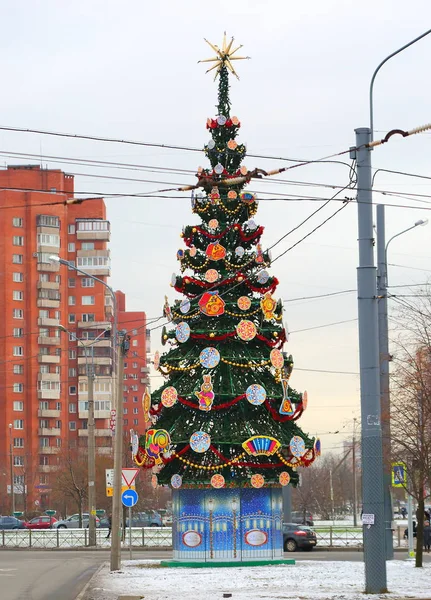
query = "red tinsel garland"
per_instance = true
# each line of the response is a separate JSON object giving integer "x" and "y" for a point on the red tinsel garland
{"x": 191, "y": 280}
{"x": 245, "y": 238}
{"x": 219, "y": 338}
{"x": 283, "y": 418}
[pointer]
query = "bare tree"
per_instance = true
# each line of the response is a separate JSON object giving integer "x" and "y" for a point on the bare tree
{"x": 71, "y": 481}
{"x": 411, "y": 403}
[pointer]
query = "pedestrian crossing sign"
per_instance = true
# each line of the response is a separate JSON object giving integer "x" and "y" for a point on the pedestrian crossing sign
{"x": 399, "y": 474}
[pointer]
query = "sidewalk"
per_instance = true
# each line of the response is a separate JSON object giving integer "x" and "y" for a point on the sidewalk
{"x": 307, "y": 580}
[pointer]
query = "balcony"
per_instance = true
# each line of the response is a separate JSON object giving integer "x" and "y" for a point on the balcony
{"x": 98, "y": 414}
{"x": 104, "y": 450}
{"x": 101, "y": 343}
{"x": 50, "y": 359}
{"x": 48, "y": 285}
{"x": 47, "y": 303}
{"x": 48, "y": 413}
{"x": 45, "y": 322}
{"x": 49, "y": 267}
{"x": 46, "y": 431}
{"x": 145, "y": 369}
{"x": 48, "y": 394}
{"x": 93, "y": 230}
{"x": 47, "y": 468}
{"x": 94, "y": 324}
{"x": 49, "y": 450}
{"x": 145, "y": 380}
{"x": 48, "y": 376}
{"x": 97, "y": 432}
{"x": 47, "y": 340}
{"x": 95, "y": 360}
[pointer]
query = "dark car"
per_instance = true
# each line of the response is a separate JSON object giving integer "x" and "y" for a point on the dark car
{"x": 11, "y": 523}
{"x": 149, "y": 518}
{"x": 298, "y": 537}
{"x": 302, "y": 518}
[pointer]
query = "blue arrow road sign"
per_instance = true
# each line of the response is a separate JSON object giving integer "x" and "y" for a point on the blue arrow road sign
{"x": 129, "y": 497}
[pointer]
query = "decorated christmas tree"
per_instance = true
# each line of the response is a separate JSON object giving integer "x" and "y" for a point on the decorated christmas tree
{"x": 226, "y": 414}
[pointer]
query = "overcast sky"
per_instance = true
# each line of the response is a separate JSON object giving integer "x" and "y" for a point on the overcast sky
{"x": 129, "y": 70}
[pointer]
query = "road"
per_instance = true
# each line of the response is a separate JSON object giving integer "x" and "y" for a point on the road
{"x": 62, "y": 574}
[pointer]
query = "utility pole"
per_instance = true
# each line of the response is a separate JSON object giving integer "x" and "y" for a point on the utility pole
{"x": 91, "y": 453}
{"x": 382, "y": 294}
{"x": 355, "y": 501}
{"x": 371, "y": 433}
{"x": 123, "y": 347}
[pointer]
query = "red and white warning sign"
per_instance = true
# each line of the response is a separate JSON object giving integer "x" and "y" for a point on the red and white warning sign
{"x": 129, "y": 476}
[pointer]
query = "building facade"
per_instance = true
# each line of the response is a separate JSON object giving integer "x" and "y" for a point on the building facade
{"x": 55, "y": 326}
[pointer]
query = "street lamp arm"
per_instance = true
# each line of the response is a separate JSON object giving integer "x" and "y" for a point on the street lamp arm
{"x": 420, "y": 222}
{"x": 378, "y": 69}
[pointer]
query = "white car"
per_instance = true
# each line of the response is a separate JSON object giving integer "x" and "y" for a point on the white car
{"x": 73, "y": 522}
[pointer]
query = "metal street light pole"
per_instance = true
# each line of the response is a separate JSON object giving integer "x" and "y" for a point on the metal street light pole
{"x": 371, "y": 438}
{"x": 117, "y": 401}
{"x": 12, "y": 487}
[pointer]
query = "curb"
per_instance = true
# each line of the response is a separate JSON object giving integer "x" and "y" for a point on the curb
{"x": 82, "y": 593}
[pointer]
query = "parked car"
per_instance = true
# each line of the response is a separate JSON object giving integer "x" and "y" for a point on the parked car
{"x": 73, "y": 522}
{"x": 298, "y": 537}
{"x": 298, "y": 516}
{"x": 42, "y": 522}
{"x": 11, "y": 523}
{"x": 148, "y": 518}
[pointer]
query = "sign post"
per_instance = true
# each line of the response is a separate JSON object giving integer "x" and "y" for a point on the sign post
{"x": 129, "y": 498}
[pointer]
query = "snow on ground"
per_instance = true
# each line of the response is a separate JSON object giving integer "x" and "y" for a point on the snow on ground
{"x": 307, "y": 580}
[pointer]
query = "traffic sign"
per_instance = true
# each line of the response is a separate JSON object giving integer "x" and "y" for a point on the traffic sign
{"x": 129, "y": 476}
{"x": 399, "y": 474}
{"x": 109, "y": 474}
{"x": 50, "y": 513}
{"x": 129, "y": 498}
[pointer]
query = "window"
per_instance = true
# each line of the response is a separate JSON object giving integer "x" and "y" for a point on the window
{"x": 134, "y": 388}
{"x": 43, "y": 368}
{"x": 126, "y": 421}
{"x": 72, "y": 318}
{"x": 71, "y": 282}
{"x": 17, "y": 222}
{"x": 44, "y": 405}
{"x": 18, "y": 313}
{"x": 18, "y": 350}
{"x": 44, "y": 277}
{"x": 17, "y": 259}
{"x": 93, "y": 225}
{"x": 72, "y": 264}
{"x": 93, "y": 261}
{"x": 125, "y": 411}
{"x": 88, "y": 317}
{"x": 58, "y": 406}
{"x": 57, "y": 278}
{"x": 44, "y": 442}
{"x": 47, "y": 221}
{"x": 43, "y": 460}
{"x": 135, "y": 411}
{"x": 18, "y": 369}
{"x": 18, "y": 388}
{"x": 71, "y": 229}
{"x": 18, "y": 295}
{"x": 87, "y": 282}
{"x": 45, "y": 257}
{"x": 72, "y": 373}
{"x": 135, "y": 365}
{"x": 18, "y": 277}
{"x": 58, "y": 424}
{"x": 72, "y": 301}
{"x": 135, "y": 422}
{"x": 48, "y": 239}
{"x": 72, "y": 354}
{"x": 43, "y": 479}
{"x": 72, "y": 390}
{"x": 72, "y": 407}
{"x": 134, "y": 342}
{"x": 87, "y": 246}
{"x": 18, "y": 480}
{"x": 88, "y": 300}
{"x": 43, "y": 313}
{"x": 18, "y": 332}
{"x": 72, "y": 425}
{"x": 71, "y": 247}
{"x": 44, "y": 423}
{"x": 18, "y": 442}
{"x": 18, "y": 461}
{"x": 135, "y": 398}
{"x": 48, "y": 385}
{"x": 125, "y": 365}
{"x": 18, "y": 424}
{"x": 18, "y": 240}
{"x": 18, "y": 405}
{"x": 124, "y": 398}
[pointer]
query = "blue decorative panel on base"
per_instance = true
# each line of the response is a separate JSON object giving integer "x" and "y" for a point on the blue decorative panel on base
{"x": 227, "y": 524}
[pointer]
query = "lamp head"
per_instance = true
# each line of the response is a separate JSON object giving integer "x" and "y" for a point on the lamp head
{"x": 63, "y": 328}
{"x": 54, "y": 258}
{"x": 421, "y": 222}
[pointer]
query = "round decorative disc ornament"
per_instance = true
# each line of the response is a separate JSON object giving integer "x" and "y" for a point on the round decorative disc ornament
{"x": 235, "y": 121}
{"x": 192, "y": 251}
{"x": 239, "y": 251}
{"x": 255, "y": 394}
{"x": 180, "y": 254}
{"x": 217, "y": 481}
{"x": 185, "y": 306}
{"x": 297, "y": 446}
{"x": 218, "y": 169}
{"x": 244, "y": 170}
{"x": 251, "y": 224}
{"x": 263, "y": 277}
{"x": 246, "y": 330}
{"x": 247, "y": 197}
{"x": 209, "y": 358}
{"x": 257, "y": 480}
{"x": 169, "y": 396}
{"x": 156, "y": 360}
{"x": 200, "y": 441}
{"x": 182, "y": 332}
{"x": 232, "y": 194}
{"x": 213, "y": 223}
{"x": 277, "y": 359}
{"x": 211, "y": 144}
{"x": 244, "y": 303}
{"x": 221, "y": 120}
{"x": 176, "y": 481}
{"x": 232, "y": 144}
{"x": 284, "y": 478}
{"x": 304, "y": 400}
{"x": 211, "y": 275}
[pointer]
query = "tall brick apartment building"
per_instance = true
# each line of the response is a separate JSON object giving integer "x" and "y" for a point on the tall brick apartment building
{"x": 43, "y": 382}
